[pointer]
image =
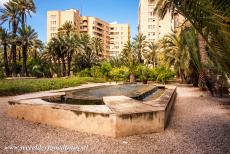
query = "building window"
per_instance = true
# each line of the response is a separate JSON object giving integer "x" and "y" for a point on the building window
{"x": 53, "y": 22}
{"x": 151, "y": 34}
{"x": 151, "y": 26}
{"x": 53, "y": 34}
{"x": 151, "y": 20}
{"x": 53, "y": 28}
{"x": 151, "y": 13}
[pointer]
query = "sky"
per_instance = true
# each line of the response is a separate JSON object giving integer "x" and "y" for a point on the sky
{"x": 121, "y": 11}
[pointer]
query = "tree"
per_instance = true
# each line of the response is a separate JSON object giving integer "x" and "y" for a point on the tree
{"x": 130, "y": 59}
{"x": 4, "y": 38}
{"x": 139, "y": 46}
{"x": 181, "y": 52}
{"x": 26, "y": 35}
{"x": 10, "y": 13}
{"x": 53, "y": 55}
{"x": 97, "y": 45}
{"x": 175, "y": 54}
{"x": 37, "y": 46}
{"x": 67, "y": 28}
{"x": 25, "y": 7}
{"x": 87, "y": 57}
{"x": 210, "y": 19}
{"x": 151, "y": 54}
{"x": 73, "y": 46}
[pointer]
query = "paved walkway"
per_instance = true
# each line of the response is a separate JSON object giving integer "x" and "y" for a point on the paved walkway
{"x": 199, "y": 124}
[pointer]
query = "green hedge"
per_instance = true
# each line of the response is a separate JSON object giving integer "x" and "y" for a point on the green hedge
{"x": 21, "y": 86}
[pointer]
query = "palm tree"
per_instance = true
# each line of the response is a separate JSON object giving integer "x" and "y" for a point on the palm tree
{"x": 175, "y": 55}
{"x": 130, "y": 58}
{"x": 52, "y": 55}
{"x": 4, "y": 38}
{"x": 37, "y": 45}
{"x": 139, "y": 46}
{"x": 181, "y": 52}
{"x": 73, "y": 46}
{"x": 210, "y": 18}
{"x": 25, "y": 7}
{"x": 67, "y": 28}
{"x": 151, "y": 54}
{"x": 26, "y": 35}
{"x": 97, "y": 45}
{"x": 11, "y": 13}
{"x": 86, "y": 58}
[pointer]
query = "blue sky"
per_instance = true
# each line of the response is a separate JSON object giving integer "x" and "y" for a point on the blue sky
{"x": 122, "y": 11}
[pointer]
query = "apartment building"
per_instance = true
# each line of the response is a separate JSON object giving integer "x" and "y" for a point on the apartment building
{"x": 150, "y": 24}
{"x": 97, "y": 28}
{"x": 119, "y": 35}
{"x": 55, "y": 19}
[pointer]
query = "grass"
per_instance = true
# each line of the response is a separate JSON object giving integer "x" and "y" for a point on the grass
{"x": 22, "y": 86}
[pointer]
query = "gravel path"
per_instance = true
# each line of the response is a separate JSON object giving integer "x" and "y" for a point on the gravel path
{"x": 199, "y": 124}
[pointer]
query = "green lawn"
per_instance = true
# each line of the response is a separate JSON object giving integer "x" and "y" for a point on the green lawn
{"x": 22, "y": 86}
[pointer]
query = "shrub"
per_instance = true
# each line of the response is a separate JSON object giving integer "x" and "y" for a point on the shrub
{"x": 153, "y": 74}
{"x": 84, "y": 73}
{"x": 95, "y": 72}
{"x": 164, "y": 74}
{"x": 21, "y": 86}
{"x": 142, "y": 72}
{"x": 105, "y": 69}
{"x": 119, "y": 74}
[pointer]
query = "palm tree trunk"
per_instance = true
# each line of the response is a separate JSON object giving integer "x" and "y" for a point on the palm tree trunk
{"x": 14, "y": 57}
{"x": 19, "y": 55}
{"x": 7, "y": 71}
{"x": 59, "y": 68}
{"x": 63, "y": 66}
{"x": 24, "y": 65}
{"x": 35, "y": 54}
{"x": 69, "y": 63}
{"x": 14, "y": 49}
{"x": 132, "y": 77}
{"x": 204, "y": 60}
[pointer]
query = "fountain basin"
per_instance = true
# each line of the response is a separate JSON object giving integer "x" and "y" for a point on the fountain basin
{"x": 118, "y": 116}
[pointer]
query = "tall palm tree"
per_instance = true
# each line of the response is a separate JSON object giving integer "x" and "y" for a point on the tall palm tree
{"x": 210, "y": 18}
{"x": 4, "y": 40}
{"x": 139, "y": 46}
{"x": 151, "y": 54}
{"x": 130, "y": 58}
{"x": 26, "y": 35}
{"x": 174, "y": 54}
{"x": 67, "y": 28}
{"x": 37, "y": 45}
{"x": 86, "y": 58}
{"x": 73, "y": 46}
{"x": 52, "y": 55}
{"x": 97, "y": 45}
{"x": 25, "y": 7}
{"x": 181, "y": 52}
{"x": 10, "y": 13}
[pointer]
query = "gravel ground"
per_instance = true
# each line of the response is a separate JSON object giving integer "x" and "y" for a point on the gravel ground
{"x": 199, "y": 124}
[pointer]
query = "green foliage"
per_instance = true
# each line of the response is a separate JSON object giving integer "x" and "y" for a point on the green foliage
{"x": 38, "y": 68}
{"x": 1, "y": 73}
{"x": 21, "y": 86}
{"x": 84, "y": 73}
{"x": 163, "y": 74}
{"x": 142, "y": 72}
{"x": 95, "y": 72}
{"x": 106, "y": 68}
{"x": 119, "y": 74}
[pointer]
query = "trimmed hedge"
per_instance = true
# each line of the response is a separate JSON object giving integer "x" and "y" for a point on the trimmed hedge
{"x": 22, "y": 86}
